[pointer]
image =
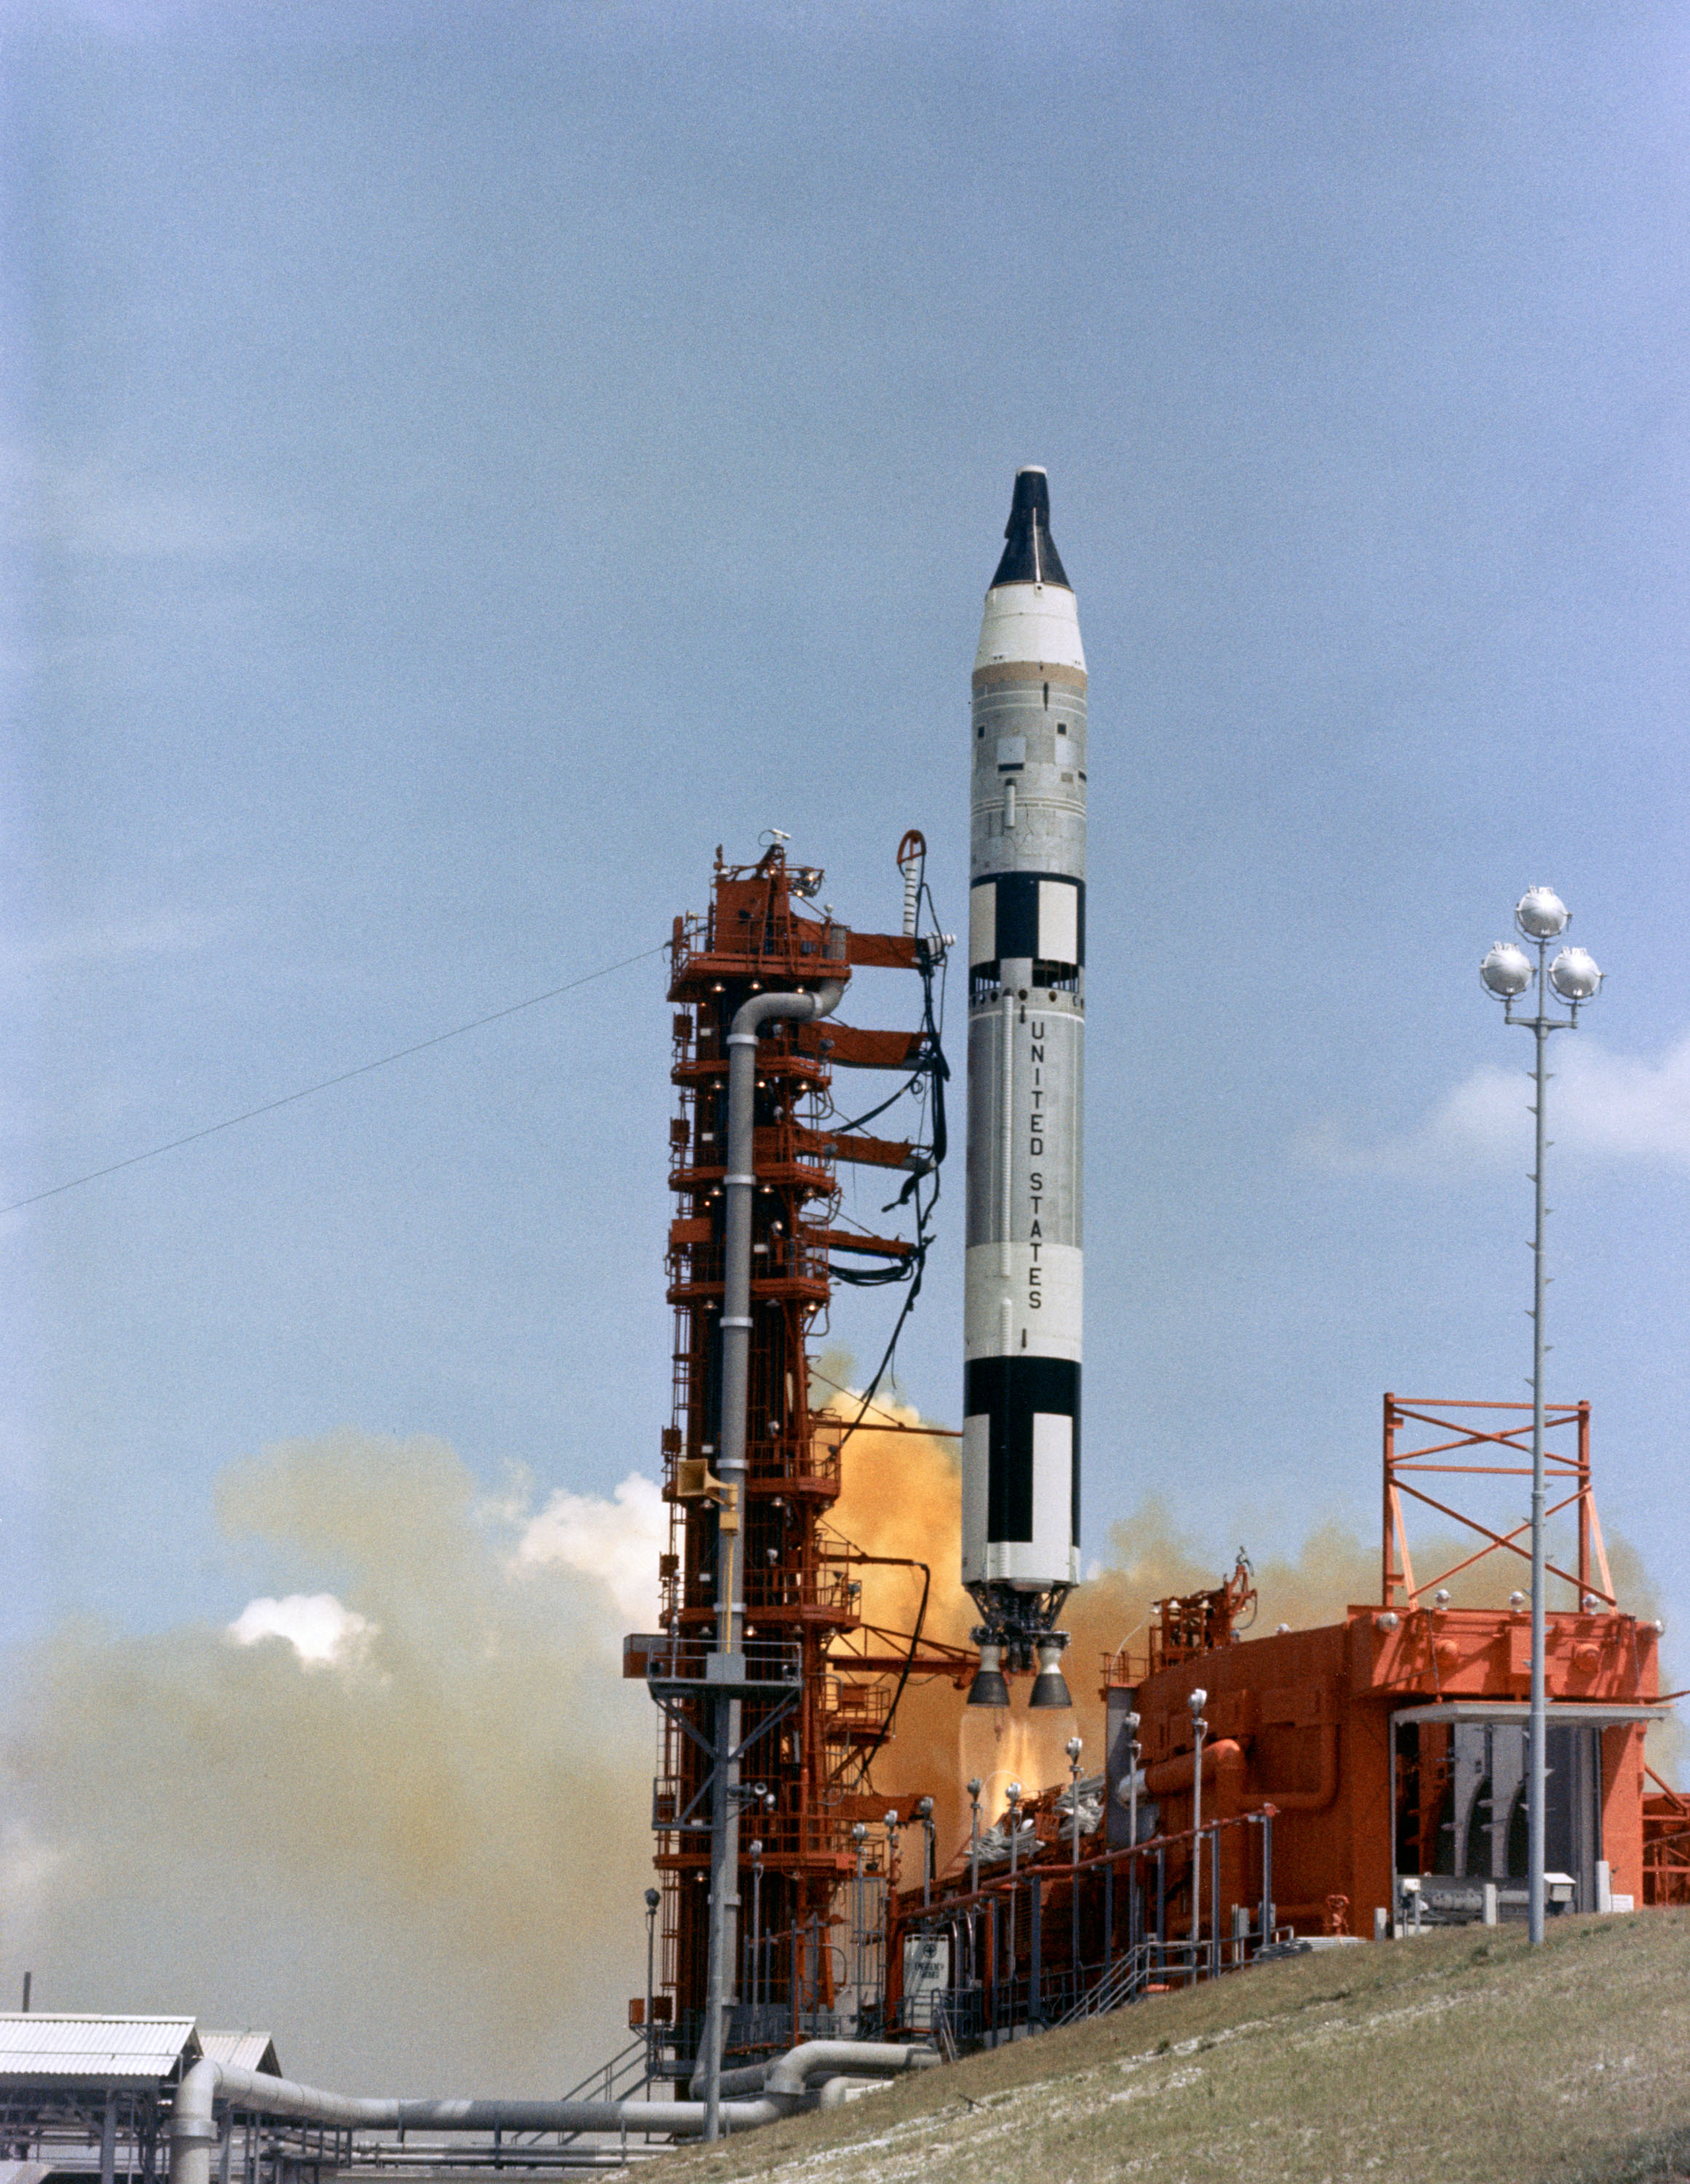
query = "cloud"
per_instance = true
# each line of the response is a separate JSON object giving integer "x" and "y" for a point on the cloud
{"x": 421, "y": 1867}
{"x": 112, "y": 940}
{"x": 89, "y": 507}
{"x": 1604, "y": 1105}
{"x": 319, "y": 1628}
{"x": 617, "y": 1542}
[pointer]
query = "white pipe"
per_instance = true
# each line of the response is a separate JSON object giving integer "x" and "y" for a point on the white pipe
{"x": 789, "y": 2074}
{"x": 194, "y": 2132}
{"x": 739, "y": 1183}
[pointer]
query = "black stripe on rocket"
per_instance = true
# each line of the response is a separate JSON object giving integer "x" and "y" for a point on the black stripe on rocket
{"x": 1010, "y": 1392}
{"x": 1027, "y": 924}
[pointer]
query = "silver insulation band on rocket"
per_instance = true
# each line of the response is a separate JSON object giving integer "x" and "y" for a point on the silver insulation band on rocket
{"x": 726, "y": 1321}
{"x": 744, "y": 1182}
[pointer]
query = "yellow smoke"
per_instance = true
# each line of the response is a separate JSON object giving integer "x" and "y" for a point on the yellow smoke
{"x": 902, "y": 1496}
{"x": 420, "y": 1865}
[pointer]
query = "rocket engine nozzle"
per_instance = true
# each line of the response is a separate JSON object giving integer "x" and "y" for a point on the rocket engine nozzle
{"x": 1050, "y": 1685}
{"x": 988, "y": 1687}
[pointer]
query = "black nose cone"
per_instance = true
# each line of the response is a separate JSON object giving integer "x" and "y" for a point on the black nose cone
{"x": 1030, "y": 557}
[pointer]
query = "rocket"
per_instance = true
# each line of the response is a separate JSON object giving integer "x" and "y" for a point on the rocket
{"x": 1026, "y": 1028}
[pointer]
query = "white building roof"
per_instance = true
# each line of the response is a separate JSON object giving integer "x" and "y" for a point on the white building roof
{"x": 46, "y": 2044}
{"x": 245, "y": 2051}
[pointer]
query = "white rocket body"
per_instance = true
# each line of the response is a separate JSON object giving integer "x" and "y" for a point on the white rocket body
{"x": 1025, "y": 1089}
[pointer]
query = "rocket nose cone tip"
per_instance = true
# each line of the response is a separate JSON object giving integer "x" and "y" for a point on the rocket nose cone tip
{"x": 1030, "y": 554}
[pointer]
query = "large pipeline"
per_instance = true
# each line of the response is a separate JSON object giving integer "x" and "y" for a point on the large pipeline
{"x": 786, "y": 2089}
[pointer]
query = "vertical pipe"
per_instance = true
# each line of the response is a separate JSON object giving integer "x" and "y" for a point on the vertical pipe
{"x": 739, "y": 1182}
{"x": 109, "y": 2140}
{"x": 1267, "y": 1878}
{"x": 1215, "y": 1893}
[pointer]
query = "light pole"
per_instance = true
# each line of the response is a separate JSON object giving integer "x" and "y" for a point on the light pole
{"x": 889, "y": 1908}
{"x": 974, "y": 1786}
{"x": 652, "y": 1900}
{"x": 1074, "y": 1748}
{"x": 1199, "y": 1699}
{"x": 756, "y": 1856}
{"x": 1133, "y": 1756}
{"x": 1013, "y": 1795}
{"x": 859, "y": 1837}
{"x": 1507, "y": 973}
{"x": 924, "y": 1813}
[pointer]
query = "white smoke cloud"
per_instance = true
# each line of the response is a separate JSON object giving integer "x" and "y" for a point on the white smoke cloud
{"x": 401, "y": 1823}
{"x": 1617, "y": 1108}
{"x": 319, "y": 1627}
{"x": 617, "y": 1542}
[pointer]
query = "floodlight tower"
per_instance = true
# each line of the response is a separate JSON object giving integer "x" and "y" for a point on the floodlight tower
{"x": 1509, "y": 973}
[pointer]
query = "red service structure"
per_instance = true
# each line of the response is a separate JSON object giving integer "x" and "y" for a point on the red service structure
{"x": 1360, "y": 1779}
{"x": 820, "y": 1684}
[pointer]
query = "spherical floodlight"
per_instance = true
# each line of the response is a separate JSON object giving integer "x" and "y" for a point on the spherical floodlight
{"x": 1541, "y": 913}
{"x": 1198, "y": 1701}
{"x": 974, "y": 1786}
{"x": 1441, "y": 1597}
{"x": 1516, "y": 1600}
{"x": 652, "y": 1899}
{"x": 1506, "y": 970}
{"x": 1590, "y": 1603}
{"x": 1574, "y": 975}
{"x": 1074, "y": 1747}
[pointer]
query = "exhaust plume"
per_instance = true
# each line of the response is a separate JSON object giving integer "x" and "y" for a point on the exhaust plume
{"x": 902, "y": 1496}
{"x": 402, "y": 1825}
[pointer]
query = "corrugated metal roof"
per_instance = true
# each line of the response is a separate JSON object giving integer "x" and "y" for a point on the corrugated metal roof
{"x": 44, "y": 2044}
{"x": 247, "y": 2051}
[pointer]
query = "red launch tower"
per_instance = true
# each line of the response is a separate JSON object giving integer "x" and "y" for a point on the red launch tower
{"x": 819, "y": 1684}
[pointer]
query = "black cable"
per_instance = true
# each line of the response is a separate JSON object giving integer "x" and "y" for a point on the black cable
{"x": 873, "y": 1752}
{"x": 345, "y": 1076}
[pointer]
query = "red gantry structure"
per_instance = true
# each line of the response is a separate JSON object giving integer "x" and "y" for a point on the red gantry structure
{"x": 820, "y": 1684}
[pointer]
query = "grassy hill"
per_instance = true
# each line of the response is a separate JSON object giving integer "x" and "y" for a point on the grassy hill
{"x": 1460, "y": 2059}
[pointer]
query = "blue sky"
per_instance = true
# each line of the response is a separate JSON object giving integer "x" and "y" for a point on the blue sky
{"x": 467, "y": 462}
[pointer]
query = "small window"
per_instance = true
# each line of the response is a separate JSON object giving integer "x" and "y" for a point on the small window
{"x": 1047, "y": 697}
{"x": 980, "y": 734}
{"x": 1062, "y": 728}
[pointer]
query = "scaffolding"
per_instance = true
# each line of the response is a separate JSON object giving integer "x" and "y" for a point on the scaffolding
{"x": 820, "y": 1683}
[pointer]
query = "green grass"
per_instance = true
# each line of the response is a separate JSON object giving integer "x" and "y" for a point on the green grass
{"x": 1462, "y": 2056}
